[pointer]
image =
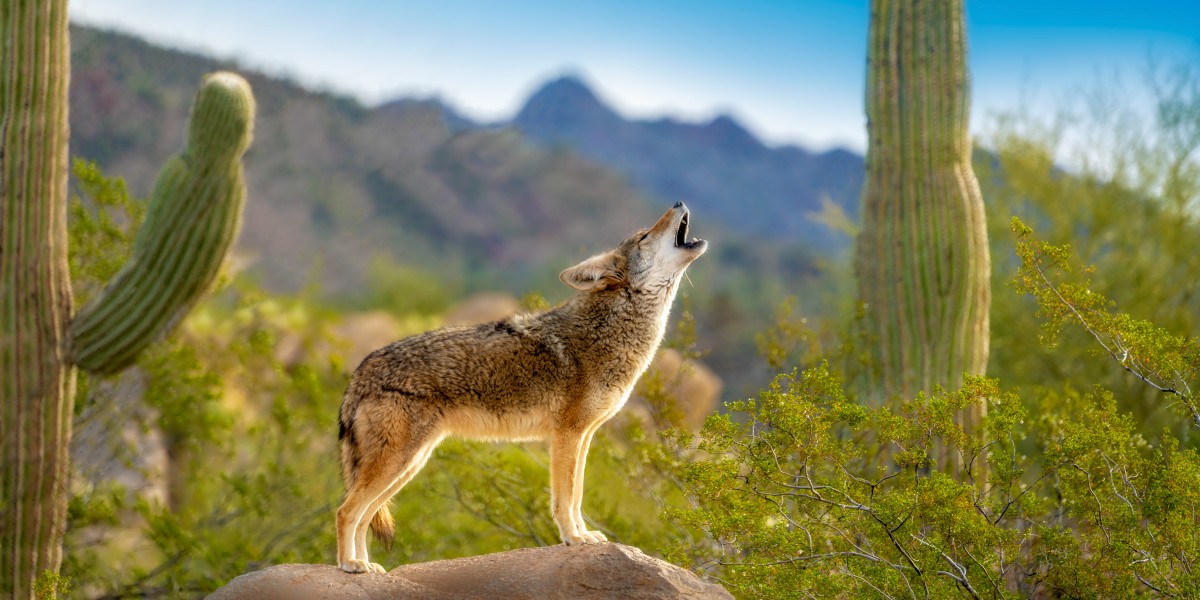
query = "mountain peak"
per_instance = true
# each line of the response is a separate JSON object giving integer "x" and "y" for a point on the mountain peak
{"x": 566, "y": 86}
{"x": 725, "y": 130}
{"x": 564, "y": 103}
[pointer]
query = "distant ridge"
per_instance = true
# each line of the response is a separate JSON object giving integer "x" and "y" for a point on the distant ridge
{"x": 452, "y": 119}
{"x": 719, "y": 166}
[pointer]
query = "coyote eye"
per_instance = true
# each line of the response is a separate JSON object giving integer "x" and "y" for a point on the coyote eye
{"x": 644, "y": 236}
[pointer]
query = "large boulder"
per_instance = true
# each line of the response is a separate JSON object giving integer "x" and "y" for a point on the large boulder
{"x": 693, "y": 387}
{"x": 576, "y": 572}
{"x": 482, "y": 308}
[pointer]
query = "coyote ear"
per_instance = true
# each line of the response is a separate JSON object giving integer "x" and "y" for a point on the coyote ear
{"x": 593, "y": 274}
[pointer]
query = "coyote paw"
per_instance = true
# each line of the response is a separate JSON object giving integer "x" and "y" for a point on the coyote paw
{"x": 594, "y": 537}
{"x": 361, "y": 566}
{"x": 585, "y": 537}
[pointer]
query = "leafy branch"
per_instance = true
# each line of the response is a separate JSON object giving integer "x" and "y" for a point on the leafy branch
{"x": 1164, "y": 361}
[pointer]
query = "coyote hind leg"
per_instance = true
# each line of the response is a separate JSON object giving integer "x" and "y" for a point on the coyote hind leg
{"x": 380, "y": 503}
{"x": 379, "y": 472}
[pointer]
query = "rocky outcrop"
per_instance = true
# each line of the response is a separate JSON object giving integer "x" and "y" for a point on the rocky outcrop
{"x": 693, "y": 387}
{"x": 575, "y": 572}
{"x": 482, "y": 308}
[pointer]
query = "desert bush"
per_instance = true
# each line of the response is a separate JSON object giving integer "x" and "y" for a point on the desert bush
{"x": 805, "y": 493}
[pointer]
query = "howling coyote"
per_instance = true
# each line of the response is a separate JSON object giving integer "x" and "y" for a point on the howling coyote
{"x": 557, "y": 375}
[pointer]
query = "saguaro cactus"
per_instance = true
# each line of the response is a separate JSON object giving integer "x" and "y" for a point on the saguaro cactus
{"x": 193, "y": 219}
{"x": 922, "y": 255}
{"x": 35, "y": 295}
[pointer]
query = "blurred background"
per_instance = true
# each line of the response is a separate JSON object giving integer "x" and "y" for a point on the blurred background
{"x": 416, "y": 165}
{"x": 492, "y": 144}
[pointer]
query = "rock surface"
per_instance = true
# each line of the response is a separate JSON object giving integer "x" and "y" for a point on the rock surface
{"x": 577, "y": 572}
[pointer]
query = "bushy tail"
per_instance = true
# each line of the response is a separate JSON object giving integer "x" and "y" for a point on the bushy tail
{"x": 382, "y": 524}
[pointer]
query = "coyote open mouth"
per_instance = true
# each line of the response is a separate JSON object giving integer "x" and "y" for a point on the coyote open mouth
{"x": 681, "y": 235}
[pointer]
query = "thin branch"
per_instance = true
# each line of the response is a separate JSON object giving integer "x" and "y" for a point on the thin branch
{"x": 1099, "y": 340}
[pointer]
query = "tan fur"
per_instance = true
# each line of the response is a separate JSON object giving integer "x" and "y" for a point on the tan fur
{"x": 557, "y": 375}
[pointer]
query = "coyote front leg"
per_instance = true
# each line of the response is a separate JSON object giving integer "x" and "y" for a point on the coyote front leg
{"x": 565, "y": 454}
{"x": 594, "y": 537}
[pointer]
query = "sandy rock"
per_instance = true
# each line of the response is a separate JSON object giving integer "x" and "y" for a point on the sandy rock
{"x": 366, "y": 332}
{"x": 482, "y": 308}
{"x": 694, "y": 387}
{"x": 576, "y": 572}
{"x": 117, "y": 439}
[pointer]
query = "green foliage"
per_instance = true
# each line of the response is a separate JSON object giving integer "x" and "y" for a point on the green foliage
{"x": 1166, "y": 362}
{"x": 102, "y": 220}
{"x": 802, "y": 493}
{"x": 49, "y": 585}
{"x": 789, "y": 335}
{"x": 1117, "y": 189}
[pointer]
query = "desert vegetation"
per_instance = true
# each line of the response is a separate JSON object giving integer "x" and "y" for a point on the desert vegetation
{"x": 1069, "y": 467}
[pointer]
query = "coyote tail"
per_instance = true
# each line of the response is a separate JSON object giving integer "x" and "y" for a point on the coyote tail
{"x": 382, "y": 524}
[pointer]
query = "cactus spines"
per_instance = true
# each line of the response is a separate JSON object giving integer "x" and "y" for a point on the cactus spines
{"x": 194, "y": 215}
{"x": 922, "y": 256}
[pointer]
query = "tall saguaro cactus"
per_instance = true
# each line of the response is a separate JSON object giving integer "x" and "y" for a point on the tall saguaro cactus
{"x": 36, "y": 382}
{"x": 193, "y": 218}
{"x": 922, "y": 255}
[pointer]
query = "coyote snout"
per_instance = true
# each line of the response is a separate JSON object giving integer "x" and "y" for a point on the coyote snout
{"x": 557, "y": 375}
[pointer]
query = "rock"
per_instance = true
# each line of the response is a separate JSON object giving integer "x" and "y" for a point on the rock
{"x": 366, "y": 332}
{"x": 694, "y": 387}
{"x": 482, "y": 308}
{"x": 575, "y": 572}
{"x": 117, "y": 439}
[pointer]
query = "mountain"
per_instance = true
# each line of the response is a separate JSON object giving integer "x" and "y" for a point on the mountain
{"x": 718, "y": 167}
{"x": 333, "y": 185}
{"x": 336, "y": 189}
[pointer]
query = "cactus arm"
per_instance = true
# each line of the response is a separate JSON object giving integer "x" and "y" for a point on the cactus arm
{"x": 194, "y": 216}
{"x": 36, "y": 385}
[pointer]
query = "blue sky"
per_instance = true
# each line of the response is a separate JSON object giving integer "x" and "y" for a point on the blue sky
{"x": 791, "y": 71}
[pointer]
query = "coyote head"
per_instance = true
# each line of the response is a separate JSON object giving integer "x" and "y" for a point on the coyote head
{"x": 650, "y": 260}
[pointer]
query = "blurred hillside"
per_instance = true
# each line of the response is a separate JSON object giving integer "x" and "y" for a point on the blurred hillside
{"x": 344, "y": 199}
{"x": 333, "y": 185}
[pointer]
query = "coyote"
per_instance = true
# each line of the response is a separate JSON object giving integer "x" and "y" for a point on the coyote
{"x": 557, "y": 376}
